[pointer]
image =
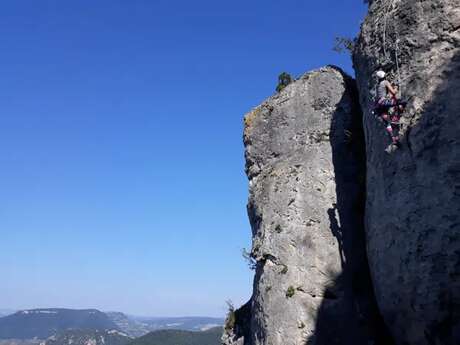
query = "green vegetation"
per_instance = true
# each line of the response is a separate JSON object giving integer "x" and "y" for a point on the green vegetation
{"x": 290, "y": 292}
{"x": 84, "y": 337}
{"x": 177, "y": 337}
{"x": 284, "y": 270}
{"x": 344, "y": 44}
{"x": 252, "y": 263}
{"x": 230, "y": 321}
{"x": 284, "y": 79}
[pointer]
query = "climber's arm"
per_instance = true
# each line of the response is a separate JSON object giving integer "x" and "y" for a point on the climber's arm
{"x": 392, "y": 90}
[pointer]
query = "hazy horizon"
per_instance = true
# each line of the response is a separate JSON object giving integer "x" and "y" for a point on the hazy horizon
{"x": 15, "y": 310}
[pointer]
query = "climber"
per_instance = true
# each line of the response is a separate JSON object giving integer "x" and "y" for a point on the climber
{"x": 387, "y": 106}
{"x": 385, "y": 91}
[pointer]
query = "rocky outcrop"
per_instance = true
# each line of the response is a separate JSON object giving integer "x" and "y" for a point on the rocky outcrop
{"x": 413, "y": 195}
{"x": 305, "y": 164}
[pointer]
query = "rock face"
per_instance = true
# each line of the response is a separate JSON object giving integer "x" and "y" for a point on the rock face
{"x": 305, "y": 164}
{"x": 413, "y": 195}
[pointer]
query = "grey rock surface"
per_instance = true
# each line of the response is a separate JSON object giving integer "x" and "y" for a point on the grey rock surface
{"x": 413, "y": 194}
{"x": 305, "y": 164}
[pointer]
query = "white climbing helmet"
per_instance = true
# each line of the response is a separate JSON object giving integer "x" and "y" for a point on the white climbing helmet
{"x": 380, "y": 74}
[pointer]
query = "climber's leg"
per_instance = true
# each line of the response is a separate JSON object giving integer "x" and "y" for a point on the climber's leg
{"x": 395, "y": 136}
{"x": 389, "y": 130}
{"x": 392, "y": 132}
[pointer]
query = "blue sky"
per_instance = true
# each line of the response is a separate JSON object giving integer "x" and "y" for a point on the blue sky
{"x": 122, "y": 180}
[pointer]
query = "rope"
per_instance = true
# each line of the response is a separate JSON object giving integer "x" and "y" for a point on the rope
{"x": 385, "y": 27}
{"x": 397, "y": 64}
{"x": 390, "y": 7}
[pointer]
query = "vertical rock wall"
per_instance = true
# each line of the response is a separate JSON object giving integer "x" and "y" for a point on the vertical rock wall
{"x": 305, "y": 164}
{"x": 413, "y": 195}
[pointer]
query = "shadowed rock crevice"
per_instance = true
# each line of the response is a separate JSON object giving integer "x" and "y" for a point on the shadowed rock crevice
{"x": 346, "y": 219}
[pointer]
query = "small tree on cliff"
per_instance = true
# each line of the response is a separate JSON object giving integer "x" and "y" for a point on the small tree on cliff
{"x": 284, "y": 79}
{"x": 230, "y": 321}
{"x": 344, "y": 44}
{"x": 252, "y": 263}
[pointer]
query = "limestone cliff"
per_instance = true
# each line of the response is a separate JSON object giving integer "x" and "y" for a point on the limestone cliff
{"x": 413, "y": 195}
{"x": 305, "y": 164}
{"x": 355, "y": 245}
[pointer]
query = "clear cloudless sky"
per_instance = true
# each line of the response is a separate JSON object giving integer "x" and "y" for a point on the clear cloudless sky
{"x": 122, "y": 181}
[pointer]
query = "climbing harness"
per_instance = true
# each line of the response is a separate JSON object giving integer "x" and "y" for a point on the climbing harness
{"x": 389, "y": 113}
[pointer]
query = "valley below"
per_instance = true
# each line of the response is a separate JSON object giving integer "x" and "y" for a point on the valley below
{"x": 92, "y": 327}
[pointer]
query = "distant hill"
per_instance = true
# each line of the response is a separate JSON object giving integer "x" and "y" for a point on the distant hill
{"x": 43, "y": 323}
{"x": 5, "y": 312}
{"x": 178, "y": 337}
{"x": 128, "y": 324}
{"x": 20, "y": 341}
{"x": 137, "y": 326}
{"x": 89, "y": 337}
{"x": 192, "y": 323}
